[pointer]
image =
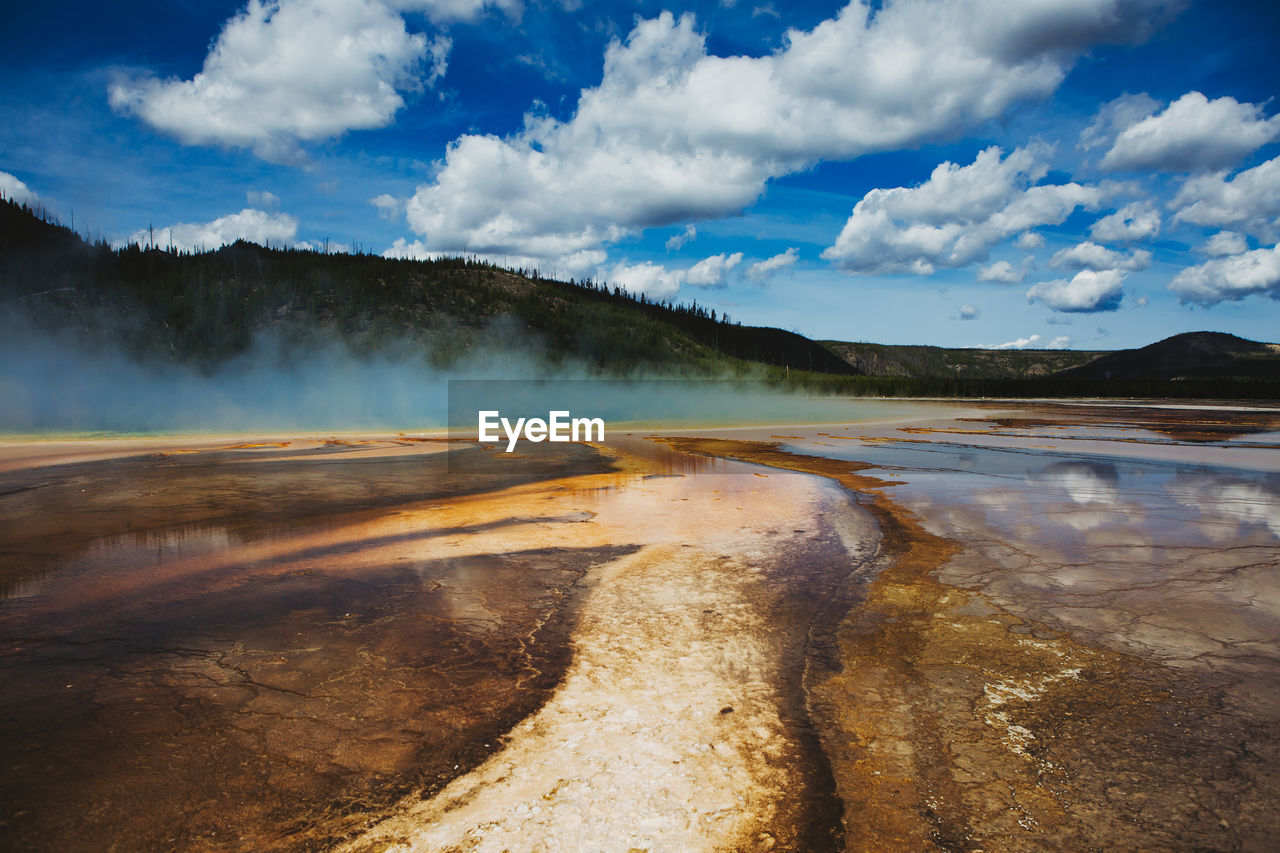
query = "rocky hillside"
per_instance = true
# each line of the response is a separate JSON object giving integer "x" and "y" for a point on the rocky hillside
{"x": 921, "y": 362}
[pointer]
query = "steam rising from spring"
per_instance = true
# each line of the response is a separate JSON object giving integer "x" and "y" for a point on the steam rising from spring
{"x": 52, "y": 382}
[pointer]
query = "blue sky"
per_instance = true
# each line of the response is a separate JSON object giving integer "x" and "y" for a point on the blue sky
{"x": 1082, "y": 173}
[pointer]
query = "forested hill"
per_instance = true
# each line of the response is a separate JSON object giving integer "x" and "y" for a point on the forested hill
{"x": 207, "y": 307}
{"x": 1194, "y": 364}
{"x": 1191, "y": 355}
{"x": 921, "y": 362}
{"x": 204, "y": 309}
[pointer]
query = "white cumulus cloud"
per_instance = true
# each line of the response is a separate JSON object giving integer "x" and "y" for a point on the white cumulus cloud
{"x": 1089, "y": 255}
{"x": 952, "y": 219}
{"x": 1115, "y": 116}
{"x": 1230, "y": 278}
{"x": 1249, "y": 201}
{"x": 578, "y": 265}
{"x": 1001, "y": 272}
{"x": 1033, "y": 342}
{"x": 712, "y": 271}
{"x": 651, "y": 279}
{"x": 1224, "y": 244}
{"x": 330, "y": 248}
{"x": 254, "y": 226}
{"x": 405, "y": 250}
{"x": 762, "y": 271}
{"x": 1029, "y": 241}
{"x": 1192, "y": 134}
{"x": 677, "y": 241}
{"x": 388, "y": 206}
{"x": 1137, "y": 221}
{"x": 674, "y": 133}
{"x": 291, "y": 70}
{"x": 15, "y": 190}
{"x": 1087, "y": 291}
{"x": 968, "y": 312}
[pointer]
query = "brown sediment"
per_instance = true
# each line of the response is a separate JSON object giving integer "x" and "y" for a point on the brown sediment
{"x": 319, "y": 631}
{"x": 952, "y": 724}
{"x": 53, "y": 512}
{"x": 1016, "y": 423}
{"x": 270, "y": 654}
{"x": 199, "y": 655}
{"x": 1201, "y": 436}
{"x": 1195, "y": 424}
{"x": 291, "y": 716}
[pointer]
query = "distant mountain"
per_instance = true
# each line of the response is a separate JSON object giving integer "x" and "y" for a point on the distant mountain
{"x": 1191, "y": 355}
{"x": 925, "y": 362}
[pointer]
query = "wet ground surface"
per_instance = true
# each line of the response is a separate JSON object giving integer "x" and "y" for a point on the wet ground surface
{"x": 1037, "y": 627}
{"x": 682, "y": 723}
{"x": 281, "y": 647}
{"x": 1064, "y": 648}
{"x": 252, "y": 648}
